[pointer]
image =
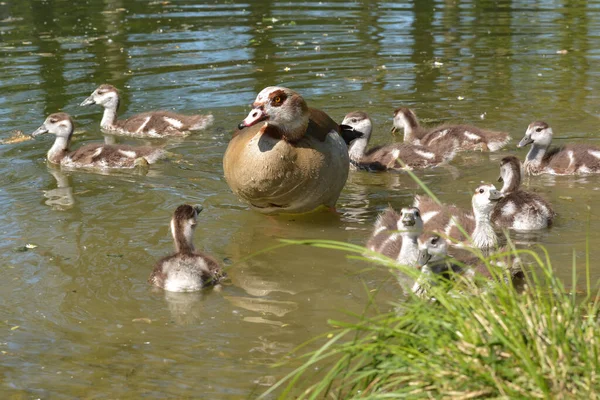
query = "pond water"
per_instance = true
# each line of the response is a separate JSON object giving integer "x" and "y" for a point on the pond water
{"x": 79, "y": 319}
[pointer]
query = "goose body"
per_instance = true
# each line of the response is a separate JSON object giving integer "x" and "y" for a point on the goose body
{"x": 187, "y": 270}
{"x": 446, "y": 220}
{"x": 286, "y": 157}
{"x": 519, "y": 209}
{"x": 356, "y": 130}
{"x": 575, "y": 159}
{"x": 149, "y": 124}
{"x": 92, "y": 156}
{"x": 462, "y": 137}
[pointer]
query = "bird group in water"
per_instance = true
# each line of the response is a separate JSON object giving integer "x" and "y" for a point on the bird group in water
{"x": 288, "y": 158}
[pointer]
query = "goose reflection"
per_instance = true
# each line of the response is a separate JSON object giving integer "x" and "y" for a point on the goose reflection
{"x": 60, "y": 198}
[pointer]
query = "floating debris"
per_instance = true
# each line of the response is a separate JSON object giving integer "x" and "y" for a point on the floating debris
{"x": 563, "y": 51}
{"x": 16, "y": 137}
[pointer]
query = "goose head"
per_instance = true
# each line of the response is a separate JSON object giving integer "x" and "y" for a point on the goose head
{"x": 432, "y": 249}
{"x": 356, "y": 125}
{"x": 105, "y": 95}
{"x": 282, "y": 108}
{"x": 183, "y": 224}
{"x": 410, "y": 223}
{"x": 510, "y": 173}
{"x": 539, "y": 133}
{"x": 404, "y": 118}
{"x": 59, "y": 124}
{"x": 484, "y": 199}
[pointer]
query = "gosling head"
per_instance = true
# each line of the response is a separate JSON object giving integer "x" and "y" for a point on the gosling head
{"x": 410, "y": 223}
{"x": 105, "y": 95}
{"x": 183, "y": 224}
{"x": 485, "y": 198}
{"x": 283, "y": 108}
{"x": 433, "y": 248}
{"x": 404, "y": 118}
{"x": 60, "y": 124}
{"x": 539, "y": 133}
{"x": 355, "y": 125}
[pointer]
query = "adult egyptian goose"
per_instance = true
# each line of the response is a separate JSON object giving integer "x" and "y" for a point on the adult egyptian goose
{"x": 519, "y": 209}
{"x": 92, "y": 156}
{"x": 447, "y": 219}
{"x": 286, "y": 157}
{"x": 154, "y": 124}
{"x": 187, "y": 270}
{"x": 462, "y": 137}
{"x": 356, "y": 129}
{"x": 572, "y": 159}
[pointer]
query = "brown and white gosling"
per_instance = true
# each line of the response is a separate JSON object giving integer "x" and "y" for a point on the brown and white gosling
{"x": 519, "y": 209}
{"x": 446, "y": 219}
{"x": 93, "y": 156}
{"x": 149, "y": 124}
{"x": 395, "y": 235}
{"x": 356, "y": 131}
{"x": 572, "y": 159}
{"x": 187, "y": 270}
{"x": 462, "y": 137}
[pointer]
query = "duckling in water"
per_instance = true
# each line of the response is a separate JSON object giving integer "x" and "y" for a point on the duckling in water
{"x": 447, "y": 219}
{"x": 573, "y": 159}
{"x": 395, "y": 235}
{"x": 149, "y": 124}
{"x": 518, "y": 209}
{"x": 93, "y": 156}
{"x": 187, "y": 270}
{"x": 356, "y": 131}
{"x": 462, "y": 137}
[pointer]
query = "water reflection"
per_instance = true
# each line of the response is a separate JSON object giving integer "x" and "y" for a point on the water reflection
{"x": 60, "y": 198}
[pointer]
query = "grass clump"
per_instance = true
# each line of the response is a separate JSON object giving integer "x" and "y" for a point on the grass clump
{"x": 537, "y": 342}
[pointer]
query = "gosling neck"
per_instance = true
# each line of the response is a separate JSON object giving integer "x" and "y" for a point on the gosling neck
{"x": 59, "y": 149}
{"x": 109, "y": 118}
{"x": 411, "y": 126}
{"x": 535, "y": 156}
{"x": 511, "y": 182}
{"x": 409, "y": 252}
{"x": 484, "y": 236}
{"x": 358, "y": 148}
{"x": 183, "y": 237}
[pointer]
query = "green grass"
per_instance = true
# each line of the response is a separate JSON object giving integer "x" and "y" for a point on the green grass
{"x": 537, "y": 342}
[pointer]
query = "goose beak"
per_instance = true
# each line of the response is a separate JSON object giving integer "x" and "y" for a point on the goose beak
{"x": 255, "y": 116}
{"x": 41, "y": 130}
{"x": 88, "y": 102}
{"x": 198, "y": 208}
{"x": 495, "y": 195}
{"x": 525, "y": 141}
{"x": 349, "y": 134}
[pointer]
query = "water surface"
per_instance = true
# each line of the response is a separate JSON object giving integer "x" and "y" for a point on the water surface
{"x": 79, "y": 319}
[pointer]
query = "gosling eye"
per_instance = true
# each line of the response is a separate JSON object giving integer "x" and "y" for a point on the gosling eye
{"x": 416, "y": 214}
{"x": 435, "y": 239}
{"x": 53, "y": 121}
{"x": 354, "y": 120}
{"x": 100, "y": 92}
{"x": 481, "y": 190}
{"x": 538, "y": 129}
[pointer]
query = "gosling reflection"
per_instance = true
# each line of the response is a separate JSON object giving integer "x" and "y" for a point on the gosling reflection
{"x": 62, "y": 197}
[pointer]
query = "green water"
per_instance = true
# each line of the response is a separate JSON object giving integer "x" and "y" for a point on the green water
{"x": 78, "y": 319}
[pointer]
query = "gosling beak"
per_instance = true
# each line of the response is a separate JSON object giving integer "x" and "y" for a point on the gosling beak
{"x": 198, "y": 208}
{"x": 256, "y": 115}
{"x": 495, "y": 195}
{"x": 41, "y": 130}
{"x": 500, "y": 179}
{"x": 87, "y": 102}
{"x": 525, "y": 141}
{"x": 423, "y": 258}
{"x": 408, "y": 220}
{"x": 349, "y": 134}
{"x": 394, "y": 129}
